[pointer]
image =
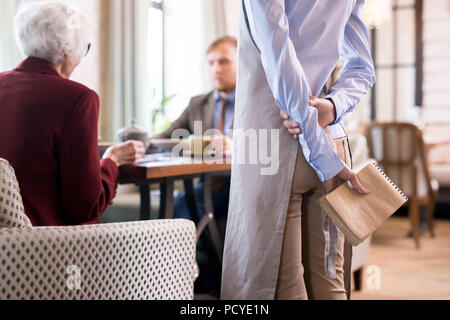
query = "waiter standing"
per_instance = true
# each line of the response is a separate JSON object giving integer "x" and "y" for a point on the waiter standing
{"x": 279, "y": 244}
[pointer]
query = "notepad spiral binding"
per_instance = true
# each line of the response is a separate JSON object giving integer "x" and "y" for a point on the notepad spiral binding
{"x": 390, "y": 181}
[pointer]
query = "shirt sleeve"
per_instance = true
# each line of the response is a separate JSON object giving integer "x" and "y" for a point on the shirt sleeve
{"x": 358, "y": 73}
{"x": 88, "y": 184}
{"x": 269, "y": 28}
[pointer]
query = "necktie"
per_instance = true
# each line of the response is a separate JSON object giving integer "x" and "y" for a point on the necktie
{"x": 222, "y": 108}
{"x": 217, "y": 182}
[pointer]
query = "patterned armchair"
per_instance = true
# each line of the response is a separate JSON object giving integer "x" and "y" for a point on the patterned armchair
{"x": 152, "y": 260}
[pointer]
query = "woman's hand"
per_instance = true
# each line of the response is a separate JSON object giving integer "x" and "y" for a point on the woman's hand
{"x": 346, "y": 175}
{"x": 127, "y": 153}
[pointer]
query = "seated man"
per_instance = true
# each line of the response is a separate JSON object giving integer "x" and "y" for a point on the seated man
{"x": 216, "y": 111}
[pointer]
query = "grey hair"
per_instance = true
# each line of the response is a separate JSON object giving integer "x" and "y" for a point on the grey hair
{"x": 51, "y": 30}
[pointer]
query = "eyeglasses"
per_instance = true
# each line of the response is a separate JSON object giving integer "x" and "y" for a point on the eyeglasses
{"x": 87, "y": 51}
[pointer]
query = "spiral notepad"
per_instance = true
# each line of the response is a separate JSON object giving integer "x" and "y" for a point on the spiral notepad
{"x": 359, "y": 216}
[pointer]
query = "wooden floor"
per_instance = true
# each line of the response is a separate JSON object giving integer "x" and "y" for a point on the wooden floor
{"x": 407, "y": 273}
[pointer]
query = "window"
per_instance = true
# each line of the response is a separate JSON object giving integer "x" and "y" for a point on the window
{"x": 156, "y": 51}
{"x": 10, "y": 55}
{"x": 186, "y": 68}
{"x": 398, "y": 63}
{"x": 177, "y": 65}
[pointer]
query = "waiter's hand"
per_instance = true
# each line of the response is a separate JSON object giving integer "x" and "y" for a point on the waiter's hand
{"x": 327, "y": 111}
{"x": 346, "y": 175}
{"x": 327, "y": 115}
{"x": 292, "y": 126}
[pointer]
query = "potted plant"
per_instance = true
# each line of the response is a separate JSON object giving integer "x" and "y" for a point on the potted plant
{"x": 160, "y": 122}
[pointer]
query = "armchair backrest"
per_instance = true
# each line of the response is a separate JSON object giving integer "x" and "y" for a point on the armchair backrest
{"x": 146, "y": 260}
{"x": 149, "y": 260}
{"x": 12, "y": 213}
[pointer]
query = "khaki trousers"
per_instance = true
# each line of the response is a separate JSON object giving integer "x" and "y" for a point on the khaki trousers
{"x": 302, "y": 267}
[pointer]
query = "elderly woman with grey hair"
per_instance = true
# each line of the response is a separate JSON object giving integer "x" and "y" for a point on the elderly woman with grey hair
{"x": 48, "y": 123}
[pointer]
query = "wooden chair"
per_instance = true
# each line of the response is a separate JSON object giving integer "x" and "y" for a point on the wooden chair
{"x": 400, "y": 151}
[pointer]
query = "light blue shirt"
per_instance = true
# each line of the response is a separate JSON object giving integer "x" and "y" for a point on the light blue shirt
{"x": 300, "y": 47}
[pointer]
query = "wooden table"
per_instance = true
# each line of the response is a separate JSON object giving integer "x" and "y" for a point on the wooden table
{"x": 164, "y": 170}
{"x": 431, "y": 143}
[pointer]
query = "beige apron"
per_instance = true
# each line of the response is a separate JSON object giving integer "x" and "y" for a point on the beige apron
{"x": 258, "y": 203}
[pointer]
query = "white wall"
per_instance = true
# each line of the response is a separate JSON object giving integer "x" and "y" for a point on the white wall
{"x": 436, "y": 71}
{"x": 436, "y": 76}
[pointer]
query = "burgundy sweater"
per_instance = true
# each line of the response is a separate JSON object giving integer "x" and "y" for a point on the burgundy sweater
{"x": 48, "y": 132}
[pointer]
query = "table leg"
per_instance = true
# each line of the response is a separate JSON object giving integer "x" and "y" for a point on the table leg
{"x": 209, "y": 208}
{"x": 212, "y": 233}
{"x": 145, "y": 209}
{"x": 191, "y": 201}
{"x": 209, "y": 243}
{"x": 167, "y": 202}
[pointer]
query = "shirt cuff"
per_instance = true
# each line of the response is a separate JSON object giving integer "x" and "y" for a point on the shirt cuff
{"x": 110, "y": 168}
{"x": 327, "y": 165}
{"x": 339, "y": 107}
{"x": 110, "y": 178}
{"x": 329, "y": 171}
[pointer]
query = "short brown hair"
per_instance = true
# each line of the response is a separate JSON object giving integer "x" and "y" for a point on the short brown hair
{"x": 225, "y": 39}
